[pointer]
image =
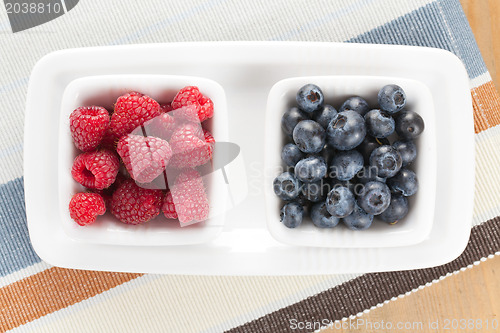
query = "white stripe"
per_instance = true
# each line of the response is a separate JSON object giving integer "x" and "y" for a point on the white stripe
{"x": 287, "y": 301}
{"x": 480, "y": 80}
{"x": 487, "y": 196}
{"x": 23, "y": 273}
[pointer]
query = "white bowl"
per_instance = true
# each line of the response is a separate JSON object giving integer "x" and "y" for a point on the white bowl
{"x": 416, "y": 226}
{"x": 103, "y": 91}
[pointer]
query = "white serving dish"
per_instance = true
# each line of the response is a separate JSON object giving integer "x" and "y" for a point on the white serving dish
{"x": 103, "y": 91}
{"x": 416, "y": 226}
{"x": 247, "y": 71}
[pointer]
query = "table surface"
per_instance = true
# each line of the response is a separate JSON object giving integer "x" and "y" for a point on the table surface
{"x": 472, "y": 294}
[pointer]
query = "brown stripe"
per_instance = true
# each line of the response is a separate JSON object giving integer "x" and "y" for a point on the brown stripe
{"x": 371, "y": 289}
{"x": 486, "y": 104}
{"x": 52, "y": 290}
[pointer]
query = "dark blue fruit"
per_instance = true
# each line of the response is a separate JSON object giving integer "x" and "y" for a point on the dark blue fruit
{"x": 379, "y": 124}
{"x": 375, "y": 198}
{"x": 286, "y": 186}
{"x": 309, "y": 136}
{"x": 340, "y": 202}
{"x": 334, "y": 183}
{"x": 391, "y": 98}
{"x": 310, "y": 98}
{"x": 291, "y": 118}
{"x": 356, "y": 104}
{"x": 358, "y": 220}
{"x": 311, "y": 169}
{"x": 324, "y": 115}
{"x": 398, "y": 208}
{"x": 387, "y": 161}
{"x": 346, "y": 164}
{"x": 321, "y": 218}
{"x": 327, "y": 153}
{"x": 369, "y": 144}
{"x": 409, "y": 125}
{"x": 291, "y": 215}
{"x": 407, "y": 149}
{"x": 316, "y": 191}
{"x": 368, "y": 174}
{"x": 346, "y": 130}
{"x": 404, "y": 182}
{"x": 291, "y": 154}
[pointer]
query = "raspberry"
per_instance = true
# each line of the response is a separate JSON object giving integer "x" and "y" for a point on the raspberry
{"x": 166, "y": 107}
{"x": 109, "y": 140}
{"x": 84, "y": 207}
{"x": 96, "y": 170}
{"x": 189, "y": 147}
{"x": 190, "y": 96}
{"x": 168, "y": 207}
{"x": 208, "y": 137}
{"x": 188, "y": 193}
{"x": 88, "y": 126}
{"x": 144, "y": 157}
{"x": 132, "y": 204}
{"x": 160, "y": 127}
{"x": 131, "y": 111}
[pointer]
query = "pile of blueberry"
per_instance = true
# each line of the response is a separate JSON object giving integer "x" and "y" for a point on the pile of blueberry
{"x": 342, "y": 165}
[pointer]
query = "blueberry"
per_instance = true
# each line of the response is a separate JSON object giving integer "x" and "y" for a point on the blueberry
{"x": 321, "y": 218}
{"x": 286, "y": 186}
{"x": 311, "y": 169}
{"x": 309, "y": 136}
{"x": 301, "y": 199}
{"x": 310, "y": 98}
{"x": 409, "y": 124}
{"x": 405, "y": 182}
{"x": 340, "y": 201}
{"x": 387, "y": 161}
{"x": 291, "y": 118}
{"x": 346, "y": 130}
{"x": 324, "y": 115}
{"x": 391, "y": 98}
{"x": 368, "y": 174}
{"x": 316, "y": 191}
{"x": 346, "y": 164}
{"x": 375, "y": 198}
{"x": 398, "y": 208}
{"x": 292, "y": 214}
{"x": 358, "y": 219}
{"x": 327, "y": 153}
{"x": 291, "y": 154}
{"x": 407, "y": 149}
{"x": 369, "y": 144}
{"x": 356, "y": 104}
{"x": 379, "y": 124}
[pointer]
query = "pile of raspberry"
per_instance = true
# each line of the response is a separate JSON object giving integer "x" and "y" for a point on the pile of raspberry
{"x": 126, "y": 152}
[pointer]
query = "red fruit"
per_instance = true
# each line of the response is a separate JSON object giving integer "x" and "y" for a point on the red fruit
{"x": 190, "y": 97}
{"x": 109, "y": 140}
{"x": 161, "y": 127}
{"x": 96, "y": 170}
{"x": 131, "y": 111}
{"x": 208, "y": 137}
{"x": 188, "y": 193}
{"x": 189, "y": 147}
{"x": 132, "y": 204}
{"x": 166, "y": 107}
{"x": 144, "y": 157}
{"x": 84, "y": 207}
{"x": 88, "y": 126}
{"x": 168, "y": 207}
